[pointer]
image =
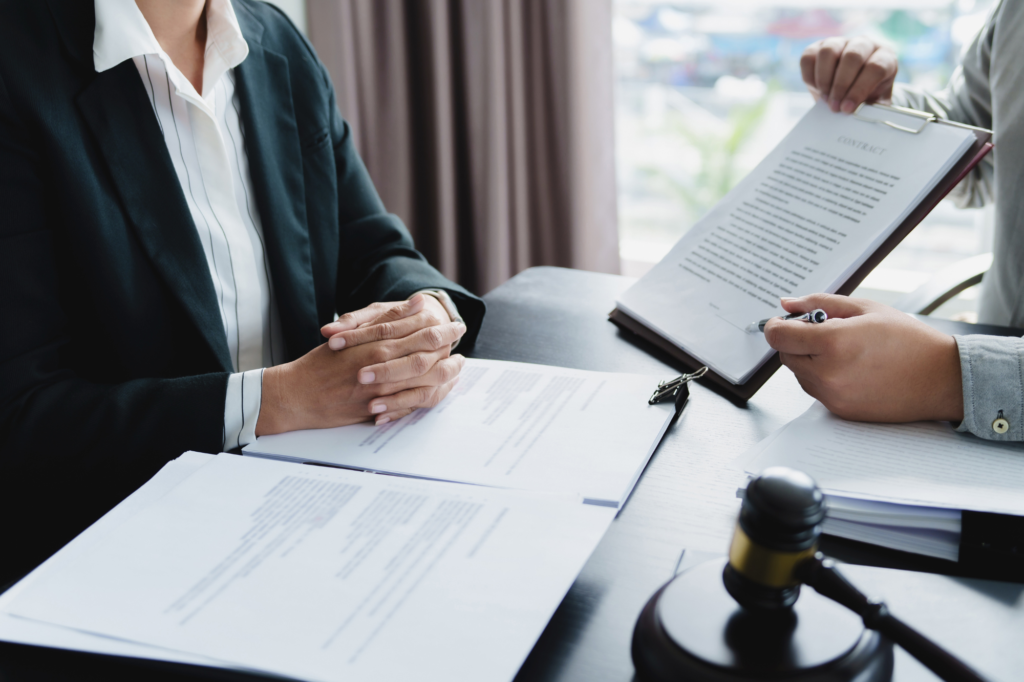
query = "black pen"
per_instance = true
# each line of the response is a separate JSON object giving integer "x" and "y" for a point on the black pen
{"x": 816, "y": 316}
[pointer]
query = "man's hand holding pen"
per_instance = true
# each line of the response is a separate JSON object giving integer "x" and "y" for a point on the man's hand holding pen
{"x": 870, "y": 362}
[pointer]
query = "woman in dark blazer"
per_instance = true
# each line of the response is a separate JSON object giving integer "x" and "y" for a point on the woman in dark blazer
{"x": 113, "y": 356}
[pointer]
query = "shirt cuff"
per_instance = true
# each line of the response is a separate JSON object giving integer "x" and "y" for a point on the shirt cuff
{"x": 242, "y": 408}
{"x": 992, "y": 369}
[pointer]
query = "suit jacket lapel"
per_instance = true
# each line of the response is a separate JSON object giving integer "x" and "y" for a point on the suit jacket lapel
{"x": 275, "y": 166}
{"x": 116, "y": 109}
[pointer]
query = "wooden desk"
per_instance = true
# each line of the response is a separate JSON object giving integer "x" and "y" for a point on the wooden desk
{"x": 555, "y": 316}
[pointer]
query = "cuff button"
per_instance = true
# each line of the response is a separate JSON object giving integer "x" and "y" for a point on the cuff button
{"x": 1000, "y": 425}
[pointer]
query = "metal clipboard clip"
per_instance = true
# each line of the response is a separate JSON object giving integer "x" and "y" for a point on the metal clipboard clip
{"x": 924, "y": 117}
{"x": 676, "y": 390}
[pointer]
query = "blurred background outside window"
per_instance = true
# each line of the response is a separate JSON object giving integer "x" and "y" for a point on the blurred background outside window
{"x": 706, "y": 88}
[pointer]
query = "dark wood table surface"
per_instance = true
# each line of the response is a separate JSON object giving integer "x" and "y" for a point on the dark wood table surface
{"x": 684, "y": 500}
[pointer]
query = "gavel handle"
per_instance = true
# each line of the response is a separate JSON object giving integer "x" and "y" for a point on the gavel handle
{"x": 820, "y": 573}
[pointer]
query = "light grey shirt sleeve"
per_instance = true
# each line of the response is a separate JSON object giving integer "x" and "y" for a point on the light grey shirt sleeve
{"x": 992, "y": 368}
{"x": 968, "y": 98}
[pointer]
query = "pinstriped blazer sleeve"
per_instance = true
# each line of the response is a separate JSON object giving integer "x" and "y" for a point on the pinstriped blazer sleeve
{"x": 992, "y": 368}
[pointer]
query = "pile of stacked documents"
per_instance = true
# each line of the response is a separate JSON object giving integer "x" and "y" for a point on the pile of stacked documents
{"x": 448, "y": 568}
{"x": 903, "y": 486}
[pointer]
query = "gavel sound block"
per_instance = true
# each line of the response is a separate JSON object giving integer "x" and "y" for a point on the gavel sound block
{"x": 692, "y": 629}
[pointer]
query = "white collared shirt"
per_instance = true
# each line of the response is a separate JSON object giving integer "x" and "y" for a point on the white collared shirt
{"x": 204, "y": 137}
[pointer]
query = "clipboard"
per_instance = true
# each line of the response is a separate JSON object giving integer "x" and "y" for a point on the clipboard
{"x": 741, "y": 393}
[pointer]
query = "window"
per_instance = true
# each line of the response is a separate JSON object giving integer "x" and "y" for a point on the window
{"x": 706, "y": 88}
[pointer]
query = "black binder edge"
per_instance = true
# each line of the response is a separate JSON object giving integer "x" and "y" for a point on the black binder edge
{"x": 992, "y": 545}
{"x": 741, "y": 393}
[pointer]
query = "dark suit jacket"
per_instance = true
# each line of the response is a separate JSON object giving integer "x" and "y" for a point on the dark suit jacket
{"x": 113, "y": 357}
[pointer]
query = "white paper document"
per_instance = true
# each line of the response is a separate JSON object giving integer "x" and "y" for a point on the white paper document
{"x": 25, "y": 631}
{"x": 925, "y": 464}
{"x": 856, "y": 510}
{"x": 802, "y": 222}
{"x": 327, "y": 574}
{"x": 939, "y": 544}
{"x": 508, "y": 425}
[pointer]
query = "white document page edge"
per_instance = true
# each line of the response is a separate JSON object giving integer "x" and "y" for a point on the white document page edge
{"x": 933, "y": 543}
{"x": 856, "y": 510}
{"x": 34, "y": 633}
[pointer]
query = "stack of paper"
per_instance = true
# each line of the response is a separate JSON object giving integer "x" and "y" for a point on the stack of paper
{"x": 931, "y": 531}
{"x": 901, "y": 486}
{"x": 23, "y": 631}
{"x": 327, "y": 573}
{"x": 312, "y": 573}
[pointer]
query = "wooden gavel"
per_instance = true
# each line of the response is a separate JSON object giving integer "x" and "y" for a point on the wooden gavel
{"x": 775, "y": 549}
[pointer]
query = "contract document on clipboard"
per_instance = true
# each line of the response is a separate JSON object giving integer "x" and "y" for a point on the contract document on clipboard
{"x": 816, "y": 215}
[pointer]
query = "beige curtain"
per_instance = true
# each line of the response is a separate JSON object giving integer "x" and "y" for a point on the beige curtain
{"x": 487, "y": 125}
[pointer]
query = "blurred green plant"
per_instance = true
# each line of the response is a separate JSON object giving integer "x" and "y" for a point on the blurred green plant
{"x": 902, "y": 26}
{"x": 718, "y": 151}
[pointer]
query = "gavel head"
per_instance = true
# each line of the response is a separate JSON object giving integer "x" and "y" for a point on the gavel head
{"x": 778, "y": 529}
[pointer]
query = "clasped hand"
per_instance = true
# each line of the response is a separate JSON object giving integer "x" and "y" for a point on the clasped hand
{"x": 870, "y": 362}
{"x": 381, "y": 362}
